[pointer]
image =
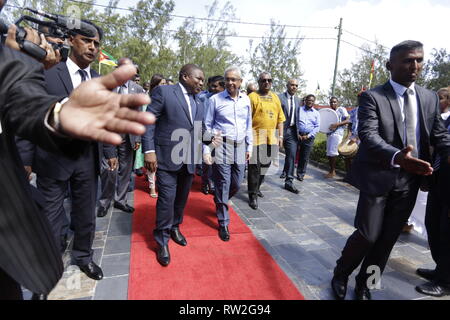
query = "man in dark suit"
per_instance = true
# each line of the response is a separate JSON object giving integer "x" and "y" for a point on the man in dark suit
{"x": 290, "y": 103}
{"x": 28, "y": 253}
{"x": 398, "y": 122}
{"x": 437, "y": 220}
{"x": 173, "y": 145}
{"x": 117, "y": 163}
{"x": 56, "y": 172}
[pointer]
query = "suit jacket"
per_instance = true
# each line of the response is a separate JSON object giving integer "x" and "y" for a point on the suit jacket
{"x": 110, "y": 151}
{"x": 57, "y": 165}
{"x": 381, "y": 132}
{"x": 173, "y": 132}
{"x": 284, "y": 98}
{"x": 27, "y": 250}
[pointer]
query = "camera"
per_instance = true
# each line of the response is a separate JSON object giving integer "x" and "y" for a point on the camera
{"x": 57, "y": 26}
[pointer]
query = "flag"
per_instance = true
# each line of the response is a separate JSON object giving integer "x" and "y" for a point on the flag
{"x": 372, "y": 70}
{"x": 106, "y": 58}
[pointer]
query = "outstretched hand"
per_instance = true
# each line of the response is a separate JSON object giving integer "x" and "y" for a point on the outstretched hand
{"x": 413, "y": 165}
{"x": 94, "y": 112}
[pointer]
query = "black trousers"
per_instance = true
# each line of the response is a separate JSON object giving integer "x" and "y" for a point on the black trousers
{"x": 437, "y": 222}
{"x": 306, "y": 147}
{"x": 174, "y": 188}
{"x": 379, "y": 222}
{"x": 9, "y": 288}
{"x": 290, "y": 146}
{"x": 258, "y": 166}
{"x": 83, "y": 192}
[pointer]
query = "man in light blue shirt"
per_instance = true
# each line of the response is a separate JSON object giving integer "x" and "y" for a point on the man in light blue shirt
{"x": 229, "y": 114}
{"x": 308, "y": 123}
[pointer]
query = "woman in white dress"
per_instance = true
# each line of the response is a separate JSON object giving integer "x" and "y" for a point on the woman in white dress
{"x": 334, "y": 138}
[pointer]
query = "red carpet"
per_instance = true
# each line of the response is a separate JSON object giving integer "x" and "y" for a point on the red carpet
{"x": 207, "y": 268}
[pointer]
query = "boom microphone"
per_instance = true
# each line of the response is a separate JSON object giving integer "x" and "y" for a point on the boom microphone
{"x": 73, "y": 24}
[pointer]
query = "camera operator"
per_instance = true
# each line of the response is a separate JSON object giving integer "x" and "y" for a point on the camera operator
{"x": 28, "y": 253}
{"x": 52, "y": 58}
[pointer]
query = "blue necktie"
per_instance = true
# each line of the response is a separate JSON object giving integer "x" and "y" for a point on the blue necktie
{"x": 83, "y": 75}
{"x": 193, "y": 107}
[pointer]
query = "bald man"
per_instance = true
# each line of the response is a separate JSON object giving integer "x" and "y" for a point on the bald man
{"x": 179, "y": 115}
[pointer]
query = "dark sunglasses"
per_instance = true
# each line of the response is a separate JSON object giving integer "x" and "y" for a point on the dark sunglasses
{"x": 266, "y": 80}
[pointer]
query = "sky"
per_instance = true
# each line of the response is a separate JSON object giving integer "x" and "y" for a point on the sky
{"x": 387, "y": 21}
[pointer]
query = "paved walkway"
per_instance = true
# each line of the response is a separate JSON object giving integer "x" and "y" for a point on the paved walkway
{"x": 304, "y": 233}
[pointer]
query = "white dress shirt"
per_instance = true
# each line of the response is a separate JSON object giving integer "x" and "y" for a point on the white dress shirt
{"x": 400, "y": 91}
{"x": 188, "y": 101}
{"x": 75, "y": 76}
{"x": 291, "y": 102}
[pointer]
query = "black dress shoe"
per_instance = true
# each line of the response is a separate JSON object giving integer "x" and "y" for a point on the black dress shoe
{"x": 163, "y": 256}
{"x": 205, "y": 189}
{"x": 434, "y": 289}
{"x": 259, "y": 194}
{"x": 426, "y": 273}
{"x": 291, "y": 188}
{"x": 176, "y": 236}
{"x": 283, "y": 175}
{"x": 253, "y": 202}
{"x": 101, "y": 212}
{"x": 362, "y": 293}
{"x": 224, "y": 234}
{"x": 300, "y": 178}
{"x": 339, "y": 286}
{"x": 37, "y": 296}
{"x": 92, "y": 270}
{"x": 125, "y": 208}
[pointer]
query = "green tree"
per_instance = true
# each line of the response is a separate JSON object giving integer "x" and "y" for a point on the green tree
{"x": 436, "y": 72}
{"x": 351, "y": 81}
{"x": 278, "y": 56}
{"x": 205, "y": 43}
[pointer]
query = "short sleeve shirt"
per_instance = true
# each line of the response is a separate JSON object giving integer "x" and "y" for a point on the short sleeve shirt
{"x": 267, "y": 113}
{"x": 342, "y": 116}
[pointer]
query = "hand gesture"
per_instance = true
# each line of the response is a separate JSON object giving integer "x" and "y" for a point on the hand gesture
{"x": 411, "y": 164}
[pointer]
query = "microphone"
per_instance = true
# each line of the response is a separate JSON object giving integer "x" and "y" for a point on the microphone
{"x": 70, "y": 23}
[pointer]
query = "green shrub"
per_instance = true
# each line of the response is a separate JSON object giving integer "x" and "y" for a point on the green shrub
{"x": 319, "y": 152}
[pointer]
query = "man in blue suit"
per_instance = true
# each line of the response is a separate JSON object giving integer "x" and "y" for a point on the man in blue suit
{"x": 290, "y": 103}
{"x": 174, "y": 146}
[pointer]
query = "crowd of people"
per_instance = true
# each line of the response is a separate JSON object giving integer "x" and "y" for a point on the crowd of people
{"x": 220, "y": 133}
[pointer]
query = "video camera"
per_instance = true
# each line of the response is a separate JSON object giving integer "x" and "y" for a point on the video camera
{"x": 57, "y": 26}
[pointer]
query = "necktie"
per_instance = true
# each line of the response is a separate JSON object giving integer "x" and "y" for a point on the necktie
{"x": 193, "y": 107}
{"x": 83, "y": 75}
{"x": 291, "y": 113}
{"x": 121, "y": 89}
{"x": 410, "y": 123}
